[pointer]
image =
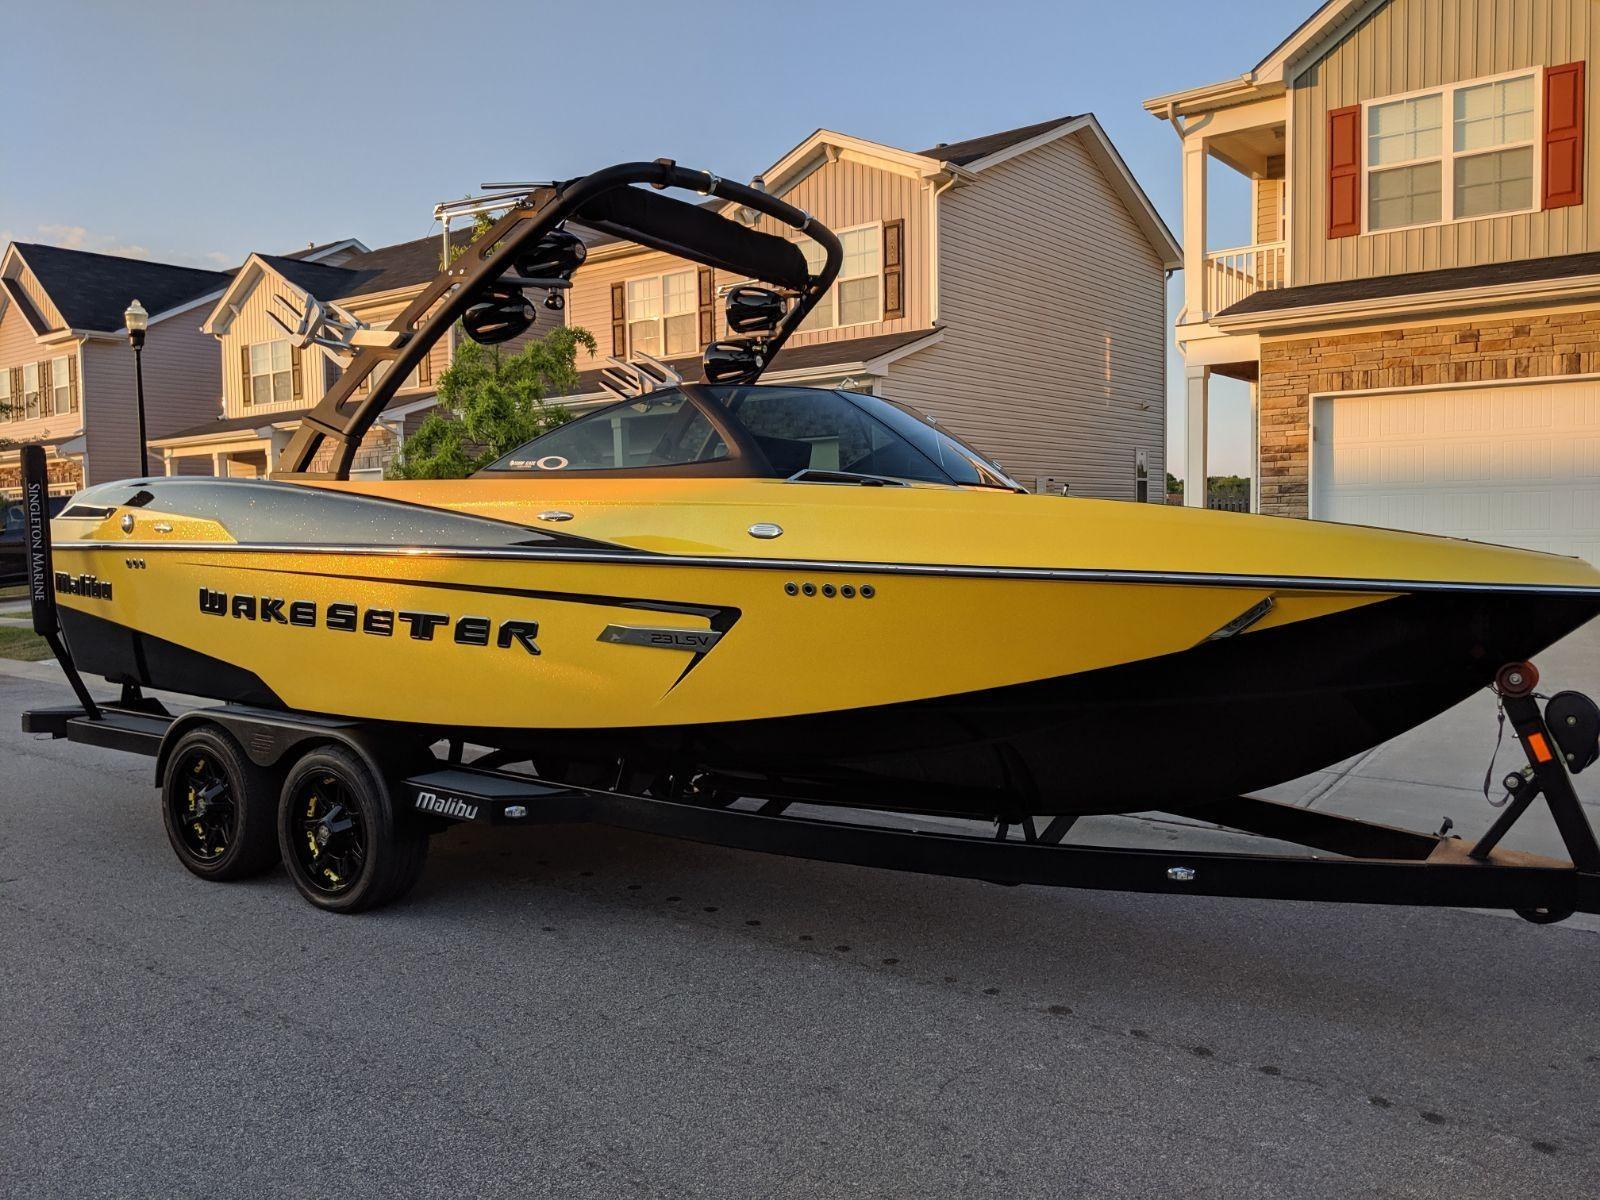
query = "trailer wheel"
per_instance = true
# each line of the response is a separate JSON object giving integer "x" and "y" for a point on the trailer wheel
{"x": 344, "y": 844}
{"x": 217, "y": 807}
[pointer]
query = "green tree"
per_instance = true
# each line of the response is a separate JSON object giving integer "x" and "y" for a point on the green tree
{"x": 491, "y": 403}
{"x": 481, "y": 224}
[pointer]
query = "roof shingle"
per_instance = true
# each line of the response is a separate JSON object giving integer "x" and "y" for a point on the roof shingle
{"x": 971, "y": 150}
{"x": 92, "y": 291}
{"x": 1528, "y": 270}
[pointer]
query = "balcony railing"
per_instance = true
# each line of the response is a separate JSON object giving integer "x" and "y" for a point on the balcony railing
{"x": 1231, "y": 275}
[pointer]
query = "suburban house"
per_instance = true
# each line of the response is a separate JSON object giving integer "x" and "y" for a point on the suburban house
{"x": 1418, "y": 313}
{"x": 267, "y": 384}
{"x": 67, "y": 371}
{"x": 1011, "y": 286}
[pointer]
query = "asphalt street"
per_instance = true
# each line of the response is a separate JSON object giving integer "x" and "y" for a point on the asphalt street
{"x": 588, "y": 1013}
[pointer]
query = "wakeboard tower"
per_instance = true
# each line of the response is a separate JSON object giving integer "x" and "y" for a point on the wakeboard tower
{"x": 717, "y": 594}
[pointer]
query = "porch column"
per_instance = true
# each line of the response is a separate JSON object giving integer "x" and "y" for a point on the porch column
{"x": 1196, "y": 386}
{"x": 1255, "y": 445}
{"x": 219, "y": 464}
{"x": 1194, "y": 228}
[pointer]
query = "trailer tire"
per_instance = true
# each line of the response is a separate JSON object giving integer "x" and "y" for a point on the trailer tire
{"x": 344, "y": 844}
{"x": 218, "y": 807}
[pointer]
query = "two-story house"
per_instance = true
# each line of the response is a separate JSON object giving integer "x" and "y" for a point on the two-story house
{"x": 1418, "y": 315}
{"x": 67, "y": 370}
{"x": 268, "y": 385}
{"x": 1011, "y": 286}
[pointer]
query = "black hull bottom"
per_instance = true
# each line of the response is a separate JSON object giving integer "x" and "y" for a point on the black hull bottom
{"x": 1223, "y": 718}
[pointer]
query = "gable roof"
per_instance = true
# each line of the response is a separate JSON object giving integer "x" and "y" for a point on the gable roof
{"x": 970, "y": 151}
{"x": 92, "y": 291}
{"x": 1268, "y": 77}
{"x": 402, "y": 265}
{"x": 320, "y": 250}
{"x": 369, "y": 273}
{"x": 968, "y": 159}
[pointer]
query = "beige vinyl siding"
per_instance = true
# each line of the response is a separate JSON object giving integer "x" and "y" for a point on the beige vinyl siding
{"x": 842, "y": 195}
{"x": 845, "y": 194}
{"x": 17, "y": 348}
{"x": 251, "y": 326}
{"x": 379, "y": 316}
{"x": 1053, "y": 301}
{"x": 182, "y": 388}
{"x": 48, "y": 312}
{"x": 1269, "y": 210}
{"x": 1408, "y": 45}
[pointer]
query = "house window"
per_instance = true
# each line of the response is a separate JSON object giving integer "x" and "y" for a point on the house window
{"x": 63, "y": 398}
{"x": 30, "y": 391}
{"x": 1461, "y": 152}
{"x": 5, "y": 396}
{"x": 856, "y": 297}
{"x": 662, "y": 316}
{"x": 271, "y": 373}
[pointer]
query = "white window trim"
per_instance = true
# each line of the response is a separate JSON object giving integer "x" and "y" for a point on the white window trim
{"x": 1448, "y": 153}
{"x": 250, "y": 391}
{"x": 59, "y": 385}
{"x": 660, "y": 318}
{"x": 38, "y": 391}
{"x": 832, "y": 295}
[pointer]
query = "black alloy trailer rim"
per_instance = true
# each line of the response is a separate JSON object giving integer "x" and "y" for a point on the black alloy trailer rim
{"x": 328, "y": 834}
{"x": 203, "y": 808}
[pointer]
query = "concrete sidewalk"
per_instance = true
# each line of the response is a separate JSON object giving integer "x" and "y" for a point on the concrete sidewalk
{"x": 1436, "y": 770}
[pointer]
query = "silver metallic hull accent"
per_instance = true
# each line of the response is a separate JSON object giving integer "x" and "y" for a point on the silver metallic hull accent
{"x": 1312, "y": 583}
{"x": 695, "y": 641}
{"x": 1244, "y": 620}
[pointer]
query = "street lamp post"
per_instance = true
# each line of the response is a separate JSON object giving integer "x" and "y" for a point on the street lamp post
{"x": 138, "y": 321}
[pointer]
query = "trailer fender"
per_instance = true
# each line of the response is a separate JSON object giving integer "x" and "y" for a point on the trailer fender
{"x": 270, "y": 739}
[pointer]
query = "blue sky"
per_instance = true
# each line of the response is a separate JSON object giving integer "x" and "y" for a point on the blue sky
{"x": 197, "y": 133}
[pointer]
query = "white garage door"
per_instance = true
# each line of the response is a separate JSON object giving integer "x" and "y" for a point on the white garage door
{"x": 1517, "y": 465}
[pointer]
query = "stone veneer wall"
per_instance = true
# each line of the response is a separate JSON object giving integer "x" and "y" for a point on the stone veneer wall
{"x": 1295, "y": 369}
{"x": 59, "y": 471}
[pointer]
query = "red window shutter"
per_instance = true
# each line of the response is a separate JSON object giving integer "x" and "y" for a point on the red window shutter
{"x": 1344, "y": 171}
{"x": 1563, "y": 135}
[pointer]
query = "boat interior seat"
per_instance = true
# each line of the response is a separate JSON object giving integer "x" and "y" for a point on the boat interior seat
{"x": 786, "y": 454}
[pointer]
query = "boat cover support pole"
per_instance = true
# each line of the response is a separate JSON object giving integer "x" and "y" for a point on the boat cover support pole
{"x": 41, "y": 572}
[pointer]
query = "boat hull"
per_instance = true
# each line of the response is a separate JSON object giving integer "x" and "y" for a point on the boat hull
{"x": 928, "y": 649}
{"x": 1216, "y": 718}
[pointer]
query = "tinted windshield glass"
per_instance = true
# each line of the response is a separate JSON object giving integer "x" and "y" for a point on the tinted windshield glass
{"x": 771, "y": 432}
{"x": 803, "y": 430}
{"x": 660, "y": 430}
{"x": 962, "y": 462}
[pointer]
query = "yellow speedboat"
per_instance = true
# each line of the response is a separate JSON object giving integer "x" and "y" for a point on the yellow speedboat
{"x": 715, "y": 588}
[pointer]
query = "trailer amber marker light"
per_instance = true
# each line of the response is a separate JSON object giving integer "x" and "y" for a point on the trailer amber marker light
{"x": 1540, "y": 747}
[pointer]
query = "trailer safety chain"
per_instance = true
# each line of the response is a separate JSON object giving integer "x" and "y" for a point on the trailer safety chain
{"x": 1499, "y": 737}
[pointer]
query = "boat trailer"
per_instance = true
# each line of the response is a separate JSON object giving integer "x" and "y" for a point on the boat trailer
{"x": 417, "y": 792}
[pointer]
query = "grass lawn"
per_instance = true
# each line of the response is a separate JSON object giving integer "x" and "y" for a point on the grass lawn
{"x": 21, "y": 643}
{"x": 14, "y": 592}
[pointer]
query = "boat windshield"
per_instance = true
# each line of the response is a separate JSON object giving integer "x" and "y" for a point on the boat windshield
{"x": 757, "y": 431}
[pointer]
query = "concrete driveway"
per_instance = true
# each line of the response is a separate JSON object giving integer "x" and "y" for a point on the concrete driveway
{"x": 1436, "y": 770}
